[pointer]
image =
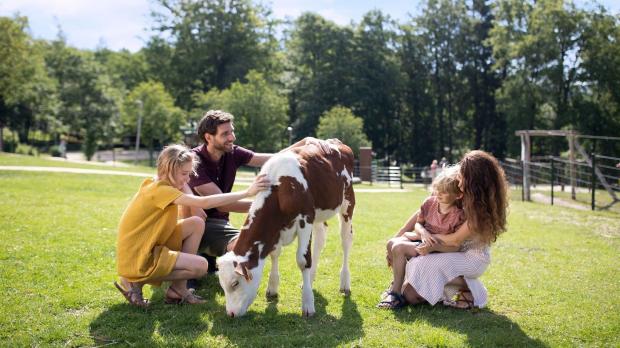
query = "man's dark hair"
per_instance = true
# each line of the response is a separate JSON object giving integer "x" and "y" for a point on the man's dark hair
{"x": 210, "y": 121}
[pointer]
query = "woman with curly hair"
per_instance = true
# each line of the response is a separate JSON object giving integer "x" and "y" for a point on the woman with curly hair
{"x": 451, "y": 276}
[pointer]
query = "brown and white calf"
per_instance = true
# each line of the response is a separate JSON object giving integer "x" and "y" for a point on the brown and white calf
{"x": 310, "y": 184}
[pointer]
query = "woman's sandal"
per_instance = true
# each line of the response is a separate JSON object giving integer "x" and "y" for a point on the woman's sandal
{"x": 133, "y": 295}
{"x": 189, "y": 298}
{"x": 460, "y": 301}
{"x": 393, "y": 300}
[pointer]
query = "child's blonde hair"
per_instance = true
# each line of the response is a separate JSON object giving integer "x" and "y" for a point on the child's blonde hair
{"x": 173, "y": 157}
{"x": 446, "y": 181}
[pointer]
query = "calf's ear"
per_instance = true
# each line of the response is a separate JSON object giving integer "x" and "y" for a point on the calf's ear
{"x": 242, "y": 270}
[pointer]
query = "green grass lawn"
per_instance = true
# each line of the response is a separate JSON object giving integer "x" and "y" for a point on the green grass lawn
{"x": 602, "y": 199}
{"x": 554, "y": 280}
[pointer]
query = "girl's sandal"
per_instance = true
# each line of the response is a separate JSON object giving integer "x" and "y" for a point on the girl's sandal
{"x": 133, "y": 295}
{"x": 189, "y": 298}
{"x": 461, "y": 301}
{"x": 393, "y": 300}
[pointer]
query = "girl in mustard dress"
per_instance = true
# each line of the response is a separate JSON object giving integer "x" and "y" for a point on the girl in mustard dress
{"x": 153, "y": 245}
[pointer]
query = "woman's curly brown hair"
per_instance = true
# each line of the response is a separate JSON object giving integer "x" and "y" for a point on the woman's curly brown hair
{"x": 485, "y": 196}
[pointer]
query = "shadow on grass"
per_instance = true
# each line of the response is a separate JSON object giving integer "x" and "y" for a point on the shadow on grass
{"x": 183, "y": 325}
{"x": 482, "y": 327}
{"x": 276, "y": 329}
{"x": 128, "y": 325}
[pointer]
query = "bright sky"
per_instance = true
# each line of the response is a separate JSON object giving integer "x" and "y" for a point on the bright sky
{"x": 120, "y": 24}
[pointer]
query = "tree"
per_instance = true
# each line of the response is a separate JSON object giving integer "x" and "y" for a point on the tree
{"x": 440, "y": 26}
{"x": 536, "y": 44}
{"x": 214, "y": 43}
{"x": 87, "y": 98}
{"x": 38, "y": 104}
{"x": 259, "y": 110}
{"x": 376, "y": 82}
{"x": 519, "y": 96}
{"x": 126, "y": 69}
{"x": 320, "y": 55}
{"x": 599, "y": 109}
{"x": 160, "y": 119}
{"x": 488, "y": 125}
{"x": 418, "y": 128}
{"x": 340, "y": 122}
{"x": 15, "y": 69}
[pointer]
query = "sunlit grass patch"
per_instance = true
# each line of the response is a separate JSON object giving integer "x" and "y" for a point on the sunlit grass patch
{"x": 554, "y": 279}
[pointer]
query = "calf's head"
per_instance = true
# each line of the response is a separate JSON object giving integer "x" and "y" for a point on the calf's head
{"x": 240, "y": 284}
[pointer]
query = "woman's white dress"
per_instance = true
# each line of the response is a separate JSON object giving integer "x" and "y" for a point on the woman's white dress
{"x": 429, "y": 274}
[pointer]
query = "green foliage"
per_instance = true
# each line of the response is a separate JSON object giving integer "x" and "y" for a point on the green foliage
{"x": 14, "y": 69}
{"x": 341, "y": 123}
{"x": 54, "y": 151}
{"x": 417, "y": 126}
{"x": 458, "y": 75}
{"x": 376, "y": 81}
{"x": 544, "y": 50}
{"x": 24, "y": 149}
{"x": 599, "y": 111}
{"x": 259, "y": 110}
{"x": 28, "y": 96}
{"x": 88, "y": 98}
{"x": 126, "y": 69}
{"x": 319, "y": 55}
{"x": 567, "y": 297}
{"x": 10, "y": 140}
{"x": 160, "y": 119}
{"x": 215, "y": 44}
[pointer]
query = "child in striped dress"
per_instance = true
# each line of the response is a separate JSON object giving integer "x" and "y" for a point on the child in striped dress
{"x": 441, "y": 213}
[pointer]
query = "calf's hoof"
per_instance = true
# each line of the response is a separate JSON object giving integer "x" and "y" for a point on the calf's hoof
{"x": 308, "y": 313}
{"x": 346, "y": 292}
{"x": 271, "y": 296}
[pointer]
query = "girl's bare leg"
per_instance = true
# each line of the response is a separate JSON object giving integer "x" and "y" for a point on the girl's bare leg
{"x": 412, "y": 296}
{"x": 390, "y": 244}
{"x": 401, "y": 252}
{"x": 192, "y": 229}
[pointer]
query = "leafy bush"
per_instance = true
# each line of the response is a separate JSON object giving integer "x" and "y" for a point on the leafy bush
{"x": 24, "y": 149}
{"x": 55, "y": 151}
{"x": 10, "y": 141}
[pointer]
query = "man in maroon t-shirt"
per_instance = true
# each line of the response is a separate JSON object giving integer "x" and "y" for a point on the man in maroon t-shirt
{"x": 219, "y": 161}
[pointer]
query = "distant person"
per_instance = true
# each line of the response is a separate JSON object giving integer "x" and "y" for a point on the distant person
{"x": 433, "y": 167}
{"x": 153, "y": 245}
{"x": 443, "y": 163}
{"x": 441, "y": 213}
{"x": 62, "y": 147}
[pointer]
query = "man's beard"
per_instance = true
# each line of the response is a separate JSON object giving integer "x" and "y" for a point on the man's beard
{"x": 223, "y": 147}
